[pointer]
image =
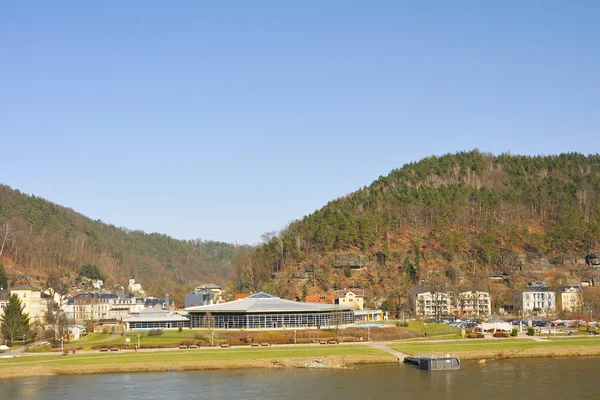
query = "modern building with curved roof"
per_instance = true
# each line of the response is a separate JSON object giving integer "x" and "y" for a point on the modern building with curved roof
{"x": 262, "y": 310}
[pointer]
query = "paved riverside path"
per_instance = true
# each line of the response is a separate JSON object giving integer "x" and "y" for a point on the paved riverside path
{"x": 383, "y": 347}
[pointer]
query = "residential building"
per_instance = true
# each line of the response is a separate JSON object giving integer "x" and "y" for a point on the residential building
{"x": 433, "y": 304}
{"x": 165, "y": 303}
{"x": 107, "y": 306}
{"x": 205, "y": 294}
{"x": 473, "y": 303}
{"x": 97, "y": 284}
{"x": 538, "y": 300}
{"x": 89, "y": 306}
{"x": 568, "y": 298}
{"x": 31, "y": 300}
{"x": 353, "y": 298}
{"x": 134, "y": 287}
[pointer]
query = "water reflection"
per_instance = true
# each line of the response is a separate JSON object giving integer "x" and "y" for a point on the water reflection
{"x": 532, "y": 379}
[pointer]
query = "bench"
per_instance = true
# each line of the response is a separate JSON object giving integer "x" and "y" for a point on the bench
{"x": 103, "y": 348}
{"x": 254, "y": 345}
{"x": 193, "y": 347}
{"x": 224, "y": 345}
{"x": 265, "y": 344}
{"x": 115, "y": 349}
{"x": 333, "y": 342}
{"x": 323, "y": 342}
{"x": 182, "y": 347}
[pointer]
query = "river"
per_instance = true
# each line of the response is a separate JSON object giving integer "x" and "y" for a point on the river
{"x": 548, "y": 378}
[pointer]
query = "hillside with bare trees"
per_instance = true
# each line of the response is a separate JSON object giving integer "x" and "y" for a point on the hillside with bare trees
{"x": 38, "y": 237}
{"x": 464, "y": 219}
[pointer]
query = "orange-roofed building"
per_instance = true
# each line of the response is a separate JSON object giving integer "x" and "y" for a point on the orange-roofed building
{"x": 323, "y": 299}
{"x": 238, "y": 296}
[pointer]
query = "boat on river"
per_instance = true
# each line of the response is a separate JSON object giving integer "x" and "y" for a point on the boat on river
{"x": 434, "y": 363}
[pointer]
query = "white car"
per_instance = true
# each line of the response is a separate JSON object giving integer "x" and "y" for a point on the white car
{"x": 4, "y": 347}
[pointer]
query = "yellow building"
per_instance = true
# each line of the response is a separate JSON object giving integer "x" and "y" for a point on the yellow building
{"x": 568, "y": 299}
{"x": 31, "y": 300}
{"x": 353, "y": 298}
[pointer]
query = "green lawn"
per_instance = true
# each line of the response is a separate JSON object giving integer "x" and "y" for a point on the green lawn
{"x": 433, "y": 329}
{"x": 168, "y": 337}
{"x": 192, "y": 355}
{"x": 480, "y": 344}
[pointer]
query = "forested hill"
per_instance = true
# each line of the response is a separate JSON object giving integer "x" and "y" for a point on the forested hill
{"x": 468, "y": 214}
{"x": 42, "y": 236}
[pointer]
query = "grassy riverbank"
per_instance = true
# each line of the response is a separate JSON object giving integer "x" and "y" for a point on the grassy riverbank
{"x": 475, "y": 349}
{"x": 331, "y": 356}
{"x": 305, "y": 356}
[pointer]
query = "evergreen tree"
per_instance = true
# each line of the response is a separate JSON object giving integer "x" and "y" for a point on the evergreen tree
{"x": 15, "y": 323}
{"x": 91, "y": 271}
{"x": 3, "y": 278}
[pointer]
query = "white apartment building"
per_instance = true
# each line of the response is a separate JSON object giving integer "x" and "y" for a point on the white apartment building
{"x": 473, "y": 303}
{"x": 433, "y": 304}
{"x": 538, "y": 300}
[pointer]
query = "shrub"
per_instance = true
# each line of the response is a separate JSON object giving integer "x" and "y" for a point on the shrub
{"x": 155, "y": 332}
{"x": 530, "y": 331}
{"x": 403, "y": 324}
{"x": 180, "y": 329}
{"x": 187, "y": 342}
{"x": 514, "y": 332}
{"x": 475, "y": 335}
{"x": 501, "y": 334}
{"x": 106, "y": 330}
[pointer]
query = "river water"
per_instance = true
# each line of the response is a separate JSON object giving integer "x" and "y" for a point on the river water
{"x": 550, "y": 378}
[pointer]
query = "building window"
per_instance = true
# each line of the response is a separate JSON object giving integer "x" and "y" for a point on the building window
{"x": 24, "y": 305}
{"x": 24, "y": 295}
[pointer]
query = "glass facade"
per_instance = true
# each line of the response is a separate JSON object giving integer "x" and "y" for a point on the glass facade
{"x": 271, "y": 320}
{"x": 155, "y": 325}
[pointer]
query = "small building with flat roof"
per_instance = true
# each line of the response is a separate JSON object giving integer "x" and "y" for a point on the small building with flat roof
{"x": 153, "y": 318}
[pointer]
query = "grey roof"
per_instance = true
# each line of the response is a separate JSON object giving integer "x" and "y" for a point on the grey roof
{"x": 263, "y": 302}
{"x": 152, "y": 301}
{"x": 153, "y": 315}
{"x": 209, "y": 286}
{"x": 91, "y": 295}
{"x": 357, "y": 292}
{"x": 569, "y": 288}
{"x": 536, "y": 289}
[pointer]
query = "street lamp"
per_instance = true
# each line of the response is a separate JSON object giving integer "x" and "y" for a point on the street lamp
{"x": 138, "y": 341}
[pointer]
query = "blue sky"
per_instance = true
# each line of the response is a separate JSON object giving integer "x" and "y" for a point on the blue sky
{"x": 225, "y": 120}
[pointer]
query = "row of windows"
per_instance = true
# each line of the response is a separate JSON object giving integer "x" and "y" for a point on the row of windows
{"x": 154, "y": 325}
{"x": 285, "y": 320}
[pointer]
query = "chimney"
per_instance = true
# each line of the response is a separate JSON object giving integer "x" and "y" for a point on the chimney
{"x": 167, "y": 301}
